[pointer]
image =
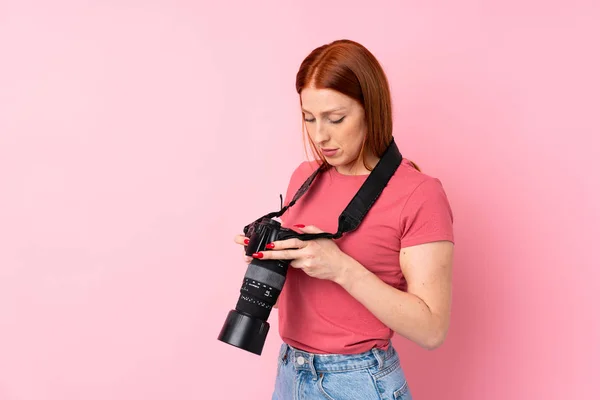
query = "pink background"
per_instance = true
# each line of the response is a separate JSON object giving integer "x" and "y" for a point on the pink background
{"x": 137, "y": 137}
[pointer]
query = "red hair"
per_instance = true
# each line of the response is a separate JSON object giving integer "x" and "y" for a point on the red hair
{"x": 349, "y": 68}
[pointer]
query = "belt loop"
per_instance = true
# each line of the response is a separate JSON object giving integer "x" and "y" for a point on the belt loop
{"x": 378, "y": 357}
{"x": 311, "y": 362}
{"x": 283, "y": 352}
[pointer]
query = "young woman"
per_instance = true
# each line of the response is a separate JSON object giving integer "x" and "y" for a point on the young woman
{"x": 344, "y": 299}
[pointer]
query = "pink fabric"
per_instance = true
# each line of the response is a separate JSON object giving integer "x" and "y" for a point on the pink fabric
{"x": 320, "y": 316}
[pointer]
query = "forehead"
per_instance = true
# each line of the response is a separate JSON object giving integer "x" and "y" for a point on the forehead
{"x": 320, "y": 100}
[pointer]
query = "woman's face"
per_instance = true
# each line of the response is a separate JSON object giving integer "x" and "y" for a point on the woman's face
{"x": 336, "y": 125}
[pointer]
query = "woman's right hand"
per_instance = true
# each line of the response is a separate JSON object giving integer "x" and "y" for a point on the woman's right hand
{"x": 243, "y": 240}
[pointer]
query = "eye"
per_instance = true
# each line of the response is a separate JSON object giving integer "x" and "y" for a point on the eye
{"x": 339, "y": 120}
{"x": 309, "y": 120}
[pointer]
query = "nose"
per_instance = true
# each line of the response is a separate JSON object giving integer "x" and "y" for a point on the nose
{"x": 321, "y": 134}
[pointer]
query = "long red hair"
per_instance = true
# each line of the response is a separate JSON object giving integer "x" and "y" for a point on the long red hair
{"x": 351, "y": 69}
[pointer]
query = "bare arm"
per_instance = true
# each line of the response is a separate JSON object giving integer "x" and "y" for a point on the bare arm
{"x": 422, "y": 314}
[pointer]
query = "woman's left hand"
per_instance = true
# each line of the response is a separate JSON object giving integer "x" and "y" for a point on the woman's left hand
{"x": 319, "y": 258}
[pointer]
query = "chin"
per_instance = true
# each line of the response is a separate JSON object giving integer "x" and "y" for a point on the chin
{"x": 339, "y": 161}
{"x": 335, "y": 162}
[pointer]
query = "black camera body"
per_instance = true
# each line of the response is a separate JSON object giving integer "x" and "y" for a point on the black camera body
{"x": 246, "y": 326}
{"x": 264, "y": 231}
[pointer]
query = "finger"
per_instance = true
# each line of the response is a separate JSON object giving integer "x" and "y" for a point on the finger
{"x": 309, "y": 229}
{"x": 247, "y": 259}
{"x": 293, "y": 243}
{"x": 241, "y": 239}
{"x": 277, "y": 254}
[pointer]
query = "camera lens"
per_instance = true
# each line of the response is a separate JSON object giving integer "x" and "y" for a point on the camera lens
{"x": 246, "y": 327}
{"x": 262, "y": 285}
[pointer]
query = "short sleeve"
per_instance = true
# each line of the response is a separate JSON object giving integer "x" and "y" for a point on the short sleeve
{"x": 427, "y": 215}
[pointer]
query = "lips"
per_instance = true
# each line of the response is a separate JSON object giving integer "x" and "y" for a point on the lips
{"x": 329, "y": 152}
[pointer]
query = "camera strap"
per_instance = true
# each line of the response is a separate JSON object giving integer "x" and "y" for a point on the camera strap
{"x": 362, "y": 201}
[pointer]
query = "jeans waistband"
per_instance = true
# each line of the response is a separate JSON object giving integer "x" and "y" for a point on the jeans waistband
{"x": 316, "y": 363}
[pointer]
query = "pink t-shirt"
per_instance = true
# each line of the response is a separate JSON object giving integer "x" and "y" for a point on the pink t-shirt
{"x": 318, "y": 315}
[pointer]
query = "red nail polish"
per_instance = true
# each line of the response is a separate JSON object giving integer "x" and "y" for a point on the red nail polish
{"x": 257, "y": 255}
{"x": 300, "y": 225}
{"x": 246, "y": 241}
{"x": 270, "y": 246}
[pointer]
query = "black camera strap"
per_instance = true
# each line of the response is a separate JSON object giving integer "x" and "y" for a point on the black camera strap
{"x": 362, "y": 201}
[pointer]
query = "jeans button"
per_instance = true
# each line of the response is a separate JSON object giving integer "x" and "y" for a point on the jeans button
{"x": 300, "y": 360}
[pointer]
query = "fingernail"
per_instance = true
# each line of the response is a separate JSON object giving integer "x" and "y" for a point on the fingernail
{"x": 246, "y": 241}
{"x": 300, "y": 225}
{"x": 270, "y": 246}
{"x": 257, "y": 255}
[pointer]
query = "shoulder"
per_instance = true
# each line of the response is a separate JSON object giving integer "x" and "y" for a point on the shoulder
{"x": 425, "y": 211}
{"x": 408, "y": 180}
{"x": 419, "y": 195}
{"x": 305, "y": 169}
{"x": 301, "y": 172}
{"x": 415, "y": 185}
{"x": 298, "y": 176}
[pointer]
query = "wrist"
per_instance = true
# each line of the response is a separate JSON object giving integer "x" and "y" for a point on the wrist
{"x": 350, "y": 271}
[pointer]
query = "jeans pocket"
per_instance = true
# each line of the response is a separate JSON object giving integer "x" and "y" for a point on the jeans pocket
{"x": 350, "y": 385}
{"x": 391, "y": 382}
{"x": 322, "y": 389}
{"x": 403, "y": 393}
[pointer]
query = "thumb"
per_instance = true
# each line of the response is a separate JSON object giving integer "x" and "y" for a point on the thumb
{"x": 308, "y": 229}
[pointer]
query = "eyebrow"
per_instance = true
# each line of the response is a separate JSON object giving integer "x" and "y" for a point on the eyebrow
{"x": 328, "y": 111}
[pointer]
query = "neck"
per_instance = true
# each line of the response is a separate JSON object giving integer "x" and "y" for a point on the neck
{"x": 359, "y": 167}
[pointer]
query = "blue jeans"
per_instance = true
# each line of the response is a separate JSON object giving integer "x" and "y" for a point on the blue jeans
{"x": 372, "y": 375}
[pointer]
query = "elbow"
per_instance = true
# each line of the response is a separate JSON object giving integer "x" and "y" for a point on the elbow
{"x": 434, "y": 340}
{"x": 432, "y": 344}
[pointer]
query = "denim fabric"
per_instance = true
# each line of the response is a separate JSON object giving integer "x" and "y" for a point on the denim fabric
{"x": 372, "y": 375}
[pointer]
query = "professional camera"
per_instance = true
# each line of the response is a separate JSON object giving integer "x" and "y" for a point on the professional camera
{"x": 246, "y": 327}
